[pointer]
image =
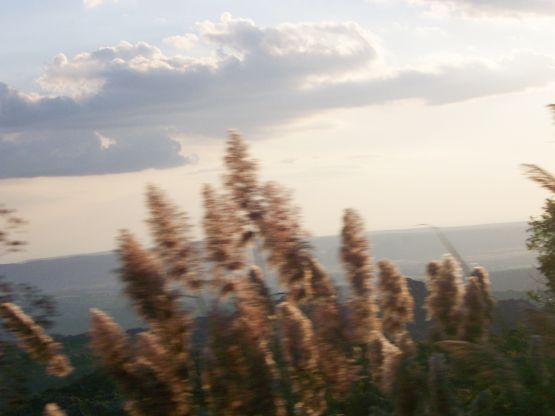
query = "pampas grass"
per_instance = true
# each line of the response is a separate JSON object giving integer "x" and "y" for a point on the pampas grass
{"x": 34, "y": 340}
{"x": 298, "y": 352}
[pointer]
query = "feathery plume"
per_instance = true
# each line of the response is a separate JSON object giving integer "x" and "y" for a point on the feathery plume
{"x": 356, "y": 260}
{"x": 539, "y": 175}
{"x": 334, "y": 349}
{"x": 34, "y": 340}
{"x": 153, "y": 355}
{"x": 146, "y": 287}
{"x": 444, "y": 286}
{"x": 151, "y": 396}
{"x": 472, "y": 324}
{"x": 477, "y": 308}
{"x": 170, "y": 230}
{"x": 384, "y": 361}
{"x": 142, "y": 274}
{"x": 256, "y": 315}
{"x": 301, "y": 355}
{"x": 222, "y": 230}
{"x": 237, "y": 376}
{"x": 396, "y": 303}
{"x": 254, "y": 304}
{"x": 52, "y": 409}
{"x": 317, "y": 282}
{"x": 395, "y": 372}
{"x": 111, "y": 344}
{"x": 354, "y": 253}
{"x": 147, "y": 393}
{"x": 286, "y": 242}
{"x": 483, "y": 280}
{"x": 376, "y": 355}
{"x": 150, "y": 350}
{"x": 241, "y": 180}
{"x": 330, "y": 329}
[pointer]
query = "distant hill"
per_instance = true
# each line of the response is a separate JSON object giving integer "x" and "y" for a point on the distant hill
{"x": 498, "y": 247}
{"x": 89, "y": 271}
{"x": 501, "y": 248}
{"x": 85, "y": 281}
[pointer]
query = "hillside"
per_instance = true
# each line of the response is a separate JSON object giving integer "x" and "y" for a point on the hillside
{"x": 85, "y": 281}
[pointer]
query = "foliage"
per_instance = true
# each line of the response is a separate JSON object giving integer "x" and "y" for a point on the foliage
{"x": 542, "y": 239}
{"x": 302, "y": 352}
{"x": 306, "y": 353}
{"x": 27, "y": 327}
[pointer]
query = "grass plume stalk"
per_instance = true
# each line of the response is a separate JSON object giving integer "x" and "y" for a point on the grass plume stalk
{"x": 222, "y": 231}
{"x": 170, "y": 230}
{"x": 237, "y": 377}
{"x": 302, "y": 357}
{"x": 241, "y": 182}
{"x": 286, "y": 242}
{"x": 477, "y": 308}
{"x": 444, "y": 298}
{"x": 32, "y": 338}
{"x": 358, "y": 265}
{"x": 148, "y": 378}
{"x": 396, "y": 302}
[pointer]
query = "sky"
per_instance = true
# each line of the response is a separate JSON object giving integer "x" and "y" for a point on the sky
{"x": 410, "y": 111}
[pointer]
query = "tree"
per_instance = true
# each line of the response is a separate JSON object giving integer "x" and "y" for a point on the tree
{"x": 542, "y": 239}
{"x": 542, "y": 229}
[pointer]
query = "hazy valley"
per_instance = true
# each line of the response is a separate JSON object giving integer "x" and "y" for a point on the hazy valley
{"x": 85, "y": 281}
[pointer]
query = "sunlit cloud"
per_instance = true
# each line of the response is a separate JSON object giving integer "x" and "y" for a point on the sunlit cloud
{"x": 250, "y": 77}
{"x": 91, "y": 4}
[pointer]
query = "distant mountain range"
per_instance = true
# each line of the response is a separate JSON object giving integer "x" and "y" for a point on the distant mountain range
{"x": 84, "y": 281}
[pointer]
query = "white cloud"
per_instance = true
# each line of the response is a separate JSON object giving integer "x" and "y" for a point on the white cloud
{"x": 251, "y": 78}
{"x": 186, "y": 41}
{"x": 493, "y": 7}
{"x": 105, "y": 142}
{"x": 90, "y": 4}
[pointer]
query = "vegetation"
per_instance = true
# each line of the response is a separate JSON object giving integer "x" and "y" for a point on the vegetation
{"x": 542, "y": 231}
{"x": 13, "y": 381}
{"x": 300, "y": 351}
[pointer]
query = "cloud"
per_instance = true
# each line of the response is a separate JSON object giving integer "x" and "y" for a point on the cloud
{"x": 84, "y": 153}
{"x": 105, "y": 142}
{"x": 451, "y": 82}
{"x": 494, "y": 7}
{"x": 249, "y": 77}
{"x": 186, "y": 41}
{"x": 90, "y": 4}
